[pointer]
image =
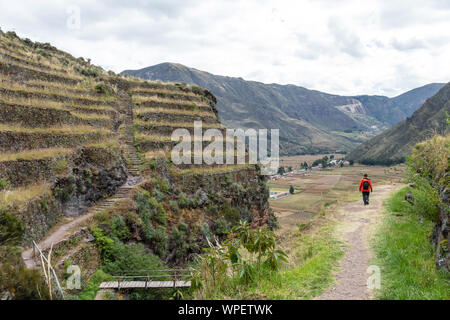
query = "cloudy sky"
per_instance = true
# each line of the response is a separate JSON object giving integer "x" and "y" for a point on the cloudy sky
{"x": 343, "y": 47}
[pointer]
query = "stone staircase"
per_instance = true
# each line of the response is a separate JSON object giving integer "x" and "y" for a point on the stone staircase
{"x": 134, "y": 163}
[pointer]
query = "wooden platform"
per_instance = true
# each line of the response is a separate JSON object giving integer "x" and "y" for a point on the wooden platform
{"x": 144, "y": 284}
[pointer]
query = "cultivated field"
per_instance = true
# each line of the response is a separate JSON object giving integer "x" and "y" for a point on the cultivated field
{"x": 320, "y": 189}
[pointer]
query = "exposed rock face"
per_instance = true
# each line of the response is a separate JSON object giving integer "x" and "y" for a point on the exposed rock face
{"x": 86, "y": 186}
{"x": 355, "y": 107}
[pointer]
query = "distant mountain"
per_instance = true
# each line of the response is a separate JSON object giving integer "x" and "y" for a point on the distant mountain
{"x": 310, "y": 121}
{"x": 395, "y": 144}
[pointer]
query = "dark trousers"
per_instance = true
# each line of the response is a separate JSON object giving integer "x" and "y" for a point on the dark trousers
{"x": 366, "y": 197}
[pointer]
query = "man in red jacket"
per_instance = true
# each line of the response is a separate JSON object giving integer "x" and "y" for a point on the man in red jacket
{"x": 365, "y": 186}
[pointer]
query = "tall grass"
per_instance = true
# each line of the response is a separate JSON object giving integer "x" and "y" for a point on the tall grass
{"x": 406, "y": 256}
{"x": 312, "y": 270}
{"x": 309, "y": 272}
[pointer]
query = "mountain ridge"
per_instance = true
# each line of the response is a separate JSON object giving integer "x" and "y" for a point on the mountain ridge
{"x": 394, "y": 144}
{"x": 309, "y": 120}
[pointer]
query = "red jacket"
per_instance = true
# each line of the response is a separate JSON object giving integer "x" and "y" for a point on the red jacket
{"x": 361, "y": 185}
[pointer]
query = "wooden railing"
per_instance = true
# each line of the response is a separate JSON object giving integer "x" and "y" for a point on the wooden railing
{"x": 153, "y": 275}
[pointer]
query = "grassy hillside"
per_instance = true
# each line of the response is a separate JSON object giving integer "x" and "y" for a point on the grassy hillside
{"x": 79, "y": 142}
{"x": 395, "y": 144}
{"x": 309, "y": 121}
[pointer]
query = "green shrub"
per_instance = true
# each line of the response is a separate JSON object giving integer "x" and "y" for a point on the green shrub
{"x": 221, "y": 227}
{"x": 104, "y": 244}
{"x": 61, "y": 166}
{"x": 15, "y": 278}
{"x": 11, "y": 228}
{"x": 158, "y": 195}
{"x": 174, "y": 207}
{"x": 291, "y": 190}
{"x": 162, "y": 185}
{"x": 126, "y": 257}
{"x": 90, "y": 292}
{"x": 100, "y": 89}
{"x": 119, "y": 228}
{"x": 183, "y": 202}
{"x": 231, "y": 214}
{"x": 225, "y": 268}
{"x": 4, "y": 184}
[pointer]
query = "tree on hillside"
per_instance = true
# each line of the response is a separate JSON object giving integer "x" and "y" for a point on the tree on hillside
{"x": 352, "y": 162}
{"x": 281, "y": 170}
{"x": 291, "y": 190}
{"x": 332, "y": 157}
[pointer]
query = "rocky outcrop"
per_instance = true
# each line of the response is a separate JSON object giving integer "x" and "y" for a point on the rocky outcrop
{"x": 89, "y": 181}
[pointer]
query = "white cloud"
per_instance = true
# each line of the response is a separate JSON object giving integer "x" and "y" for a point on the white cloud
{"x": 343, "y": 47}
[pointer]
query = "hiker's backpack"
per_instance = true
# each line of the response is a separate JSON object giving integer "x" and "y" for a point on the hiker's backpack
{"x": 366, "y": 185}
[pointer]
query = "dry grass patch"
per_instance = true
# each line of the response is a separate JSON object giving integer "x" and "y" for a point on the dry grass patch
{"x": 177, "y": 124}
{"x": 142, "y": 111}
{"x": 156, "y": 154}
{"x": 148, "y": 137}
{"x": 11, "y": 86}
{"x": 58, "y": 85}
{"x": 35, "y": 154}
{"x": 143, "y": 99}
{"x": 206, "y": 170}
{"x": 57, "y": 130}
{"x": 40, "y": 103}
{"x": 48, "y": 72}
{"x": 90, "y": 116}
{"x": 164, "y": 91}
{"x": 111, "y": 143}
{"x": 93, "y": 107}
{"x": 28, "y": 58}
{"x": 24, "y": 194}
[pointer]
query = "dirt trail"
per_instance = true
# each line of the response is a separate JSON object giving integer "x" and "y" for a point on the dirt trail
{"x": 356, "y": 224}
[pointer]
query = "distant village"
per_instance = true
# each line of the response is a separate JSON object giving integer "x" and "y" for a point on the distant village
{"x": 319, "y": 164}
